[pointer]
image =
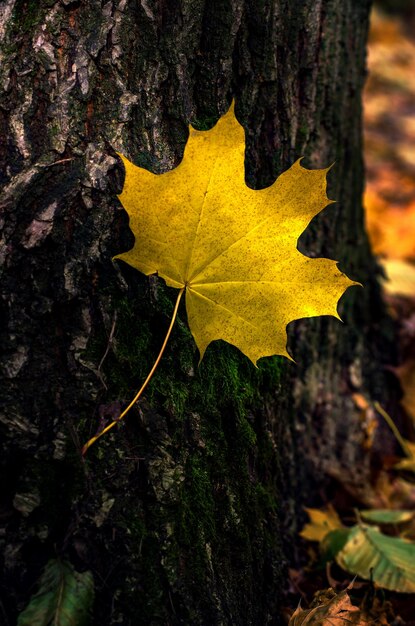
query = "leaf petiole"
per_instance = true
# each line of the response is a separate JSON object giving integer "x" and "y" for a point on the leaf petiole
{"x": 147, "y": 380}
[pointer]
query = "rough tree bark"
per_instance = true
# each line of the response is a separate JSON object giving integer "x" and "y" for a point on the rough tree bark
{"x": 181, "y": 513}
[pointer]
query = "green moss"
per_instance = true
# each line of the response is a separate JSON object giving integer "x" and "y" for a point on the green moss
{"x": 206, "y": 122}
{"x": 197, "y": 513}
{"x": 214, "y": 437}
{"x": 9, "y": 47}
{"x": 265, "y": 498}
{"x": 26, "y": 15}
{"x": 225, "y": 379}
{"x": 247, "y": 437}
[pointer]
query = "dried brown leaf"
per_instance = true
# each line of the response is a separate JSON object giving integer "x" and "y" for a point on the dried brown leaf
{"x": 339, "y": 611}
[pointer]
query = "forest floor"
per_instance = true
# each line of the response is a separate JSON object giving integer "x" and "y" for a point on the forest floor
{"x": 328, "y": 593}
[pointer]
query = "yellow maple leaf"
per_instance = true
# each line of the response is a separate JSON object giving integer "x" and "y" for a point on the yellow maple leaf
{"x": 322, "y": 521}
{"x": 232, "y": 248}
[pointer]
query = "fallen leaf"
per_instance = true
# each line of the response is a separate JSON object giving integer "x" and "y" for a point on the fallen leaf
{"x": 388, "y": 561}
{"x": 332, "y": 543}
{"x": 322, "y": 521}
{"x": 338, "y": 611}
{"x": 64, "y": 597}
{"x": 380, "y": 613}
{"x": 233, "y": 249}
{"x": 386, "y": 516}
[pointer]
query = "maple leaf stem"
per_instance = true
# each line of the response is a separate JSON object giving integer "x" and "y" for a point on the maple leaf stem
{"x": 145, "y": 383}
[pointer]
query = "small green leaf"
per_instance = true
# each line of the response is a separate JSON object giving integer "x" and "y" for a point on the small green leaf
{"x": 389, "y": 561}
{"x": 387, "y": 516}
{"x": 64, "y": 597}
{"x": 333, "y": 542}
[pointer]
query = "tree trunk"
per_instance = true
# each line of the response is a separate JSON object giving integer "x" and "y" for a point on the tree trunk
{"x": 182, "y": 511}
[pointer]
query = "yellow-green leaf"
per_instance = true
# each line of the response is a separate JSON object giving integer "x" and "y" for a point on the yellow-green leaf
{"x": 386, "y": 516}
{"x": 234, "y": 249}
{"x": 322, "y": 521}
{"x": 332, "y": 543}
{"x": 390, "y": 561}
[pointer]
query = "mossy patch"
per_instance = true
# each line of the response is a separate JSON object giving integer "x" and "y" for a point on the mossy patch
{"x": 26, "y": 15}
{"x": 225, "y": 379}
{"x": 221, "y": 510}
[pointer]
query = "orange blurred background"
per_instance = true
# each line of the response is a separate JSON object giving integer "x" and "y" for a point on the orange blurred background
{"x": 389, "y": 105}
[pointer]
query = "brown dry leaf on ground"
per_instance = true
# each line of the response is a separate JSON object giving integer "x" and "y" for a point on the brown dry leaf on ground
{"x": 331, "y": 609}
{"x": 335, "y": 610}
{"x": 380, "y": 614}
